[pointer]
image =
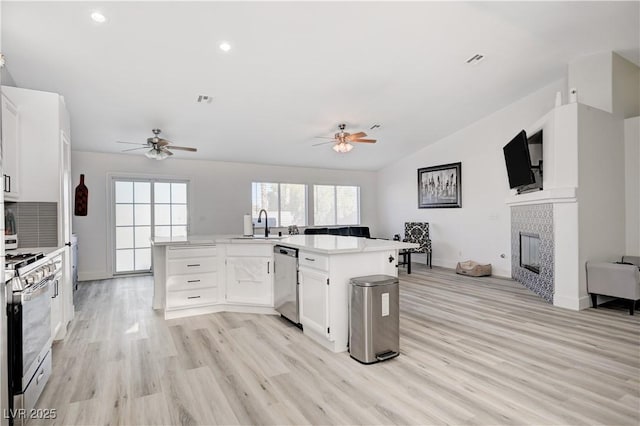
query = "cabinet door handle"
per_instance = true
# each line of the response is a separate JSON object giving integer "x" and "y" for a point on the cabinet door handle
{"x": 193, "y": 281}
{"x": 193, "y": 264}
{"x": 268, "y": 267}
{"x": 9, "y": 183}
{"x": 193, "y": 297}
{"x": 309, "y": 259}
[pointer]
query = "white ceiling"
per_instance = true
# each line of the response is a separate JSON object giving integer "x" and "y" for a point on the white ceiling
{"x": 298, "y": 69}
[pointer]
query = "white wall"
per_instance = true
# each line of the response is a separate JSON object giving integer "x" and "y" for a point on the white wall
{"x": 592, "y": 76}
{"x": 608, "y": 82}
{"x": 220, "y": 194}
{"x": 480, "y": 230}
{"x": 632, "y": 185}
{"x": 626, "y": 87}
{"x": 601, "y": 189}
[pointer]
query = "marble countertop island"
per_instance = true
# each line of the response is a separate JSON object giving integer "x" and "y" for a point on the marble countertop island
{"x": 325, "y": 244}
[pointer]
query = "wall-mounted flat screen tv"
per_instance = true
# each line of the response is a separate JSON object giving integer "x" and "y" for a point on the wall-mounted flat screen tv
{"x": 518, "y": 161}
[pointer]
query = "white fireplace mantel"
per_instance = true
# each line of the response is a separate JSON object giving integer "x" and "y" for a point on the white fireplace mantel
{"x": 552, "y": 196}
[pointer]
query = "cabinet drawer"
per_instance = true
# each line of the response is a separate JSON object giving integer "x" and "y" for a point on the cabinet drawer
{"x": 191, "y": 251}
{"x": 253, "y": 250}
{"x": 194, "y": 265}
{"x": 190, "y": 282}
{"x": 188, "y": 298}
{"x": 314, "y": 260}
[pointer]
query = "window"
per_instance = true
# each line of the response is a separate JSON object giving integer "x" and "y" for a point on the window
{"x": 170, "y": 209}
{"x": 285, "y": 203}
{"x": 336, "y": 205}
{"x": 133, "y": 226}
{"x": 144, "y": 208}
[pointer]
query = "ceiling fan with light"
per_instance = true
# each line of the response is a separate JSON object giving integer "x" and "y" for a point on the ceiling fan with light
{"x": 342, "y": 140}
{"x": 158, "y": 148}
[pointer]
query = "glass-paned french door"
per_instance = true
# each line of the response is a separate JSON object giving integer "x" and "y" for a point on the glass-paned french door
{"x": 144, "y": 208}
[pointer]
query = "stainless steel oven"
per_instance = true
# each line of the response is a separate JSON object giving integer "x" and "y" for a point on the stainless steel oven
{"x": 29, "y": 332}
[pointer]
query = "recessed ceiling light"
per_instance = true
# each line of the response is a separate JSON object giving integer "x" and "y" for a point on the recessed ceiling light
{"x": 98, "y": 17}
{"x": 225, "y": 46}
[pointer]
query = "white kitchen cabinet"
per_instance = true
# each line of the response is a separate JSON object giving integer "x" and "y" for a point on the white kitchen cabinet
{"x": 191, "y": 277}
{"x": 10, "y": 133}
{"x": 41, "y": 163}
{"x": 56, "y": 311}
{"x": 314, "y": 301}
{"x": 42, "y": 119}
{"x": 57, "y": 301}
{"x": 249, "y": 280}
{"x": 314, "y": 260}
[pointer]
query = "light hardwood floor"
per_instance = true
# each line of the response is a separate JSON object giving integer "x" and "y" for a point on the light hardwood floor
{"x": 473, "y": 351}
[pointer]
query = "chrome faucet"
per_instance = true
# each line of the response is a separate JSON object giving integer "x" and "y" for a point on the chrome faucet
{"x": 266, "y": 222}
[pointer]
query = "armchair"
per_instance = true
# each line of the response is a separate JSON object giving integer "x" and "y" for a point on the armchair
{"x": 418, "y": 233}
{"x": 615, "y": 280}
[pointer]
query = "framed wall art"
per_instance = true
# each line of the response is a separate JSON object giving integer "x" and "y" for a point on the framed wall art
{"x": 440, "y": 186}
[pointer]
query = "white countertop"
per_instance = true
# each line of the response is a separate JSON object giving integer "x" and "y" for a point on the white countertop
{"x": 46, "y": 250}
{"x": 184, "y": 240}
{"x": 326, "y": 244}
{"x": 333, "y": 244}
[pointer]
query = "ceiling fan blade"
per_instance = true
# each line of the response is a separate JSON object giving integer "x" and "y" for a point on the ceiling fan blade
{"x": 132, "y": 143}
{"x": 357, "y": 136}
{"x": 324, "y": 137}
{"x": 182, "y": 148}
{"x": 364, "y": 140}
{"x": 322, "y": 143}
{"x": 158, "y": 141}
{"x": 167, "y": 151}
{"x": 134, "y": 149}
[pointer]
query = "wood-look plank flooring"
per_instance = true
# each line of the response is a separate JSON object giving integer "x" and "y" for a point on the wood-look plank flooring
{"x": 477, "y": 351}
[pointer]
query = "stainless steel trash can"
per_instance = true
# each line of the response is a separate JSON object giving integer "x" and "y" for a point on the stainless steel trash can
{"x": 374, "y": 320}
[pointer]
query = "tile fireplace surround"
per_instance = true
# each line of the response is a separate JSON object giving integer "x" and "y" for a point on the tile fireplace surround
{"x": 534, "y": 219}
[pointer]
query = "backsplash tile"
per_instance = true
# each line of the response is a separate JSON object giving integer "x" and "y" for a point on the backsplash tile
{"x": 36, "y": 223}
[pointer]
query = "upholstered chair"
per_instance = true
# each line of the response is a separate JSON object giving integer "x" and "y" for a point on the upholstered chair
{"x": 418, "y": 233}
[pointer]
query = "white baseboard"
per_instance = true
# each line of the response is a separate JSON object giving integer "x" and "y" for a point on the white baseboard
{"x": 93, "y": 275}
{"x": 575, "y": 304}
{"x": 451, "y": 264}
{"x": 212, "y": 309}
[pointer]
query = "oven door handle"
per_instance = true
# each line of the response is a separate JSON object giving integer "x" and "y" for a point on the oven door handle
{"x": 32, "y": 294}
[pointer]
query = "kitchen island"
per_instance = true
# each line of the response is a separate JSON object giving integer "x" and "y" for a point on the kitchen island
{"x": 204, "y": 274}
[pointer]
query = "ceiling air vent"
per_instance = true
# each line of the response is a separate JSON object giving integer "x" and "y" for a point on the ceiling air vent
{"x": 475, "y": 59}
{"x": 205, "y": 99}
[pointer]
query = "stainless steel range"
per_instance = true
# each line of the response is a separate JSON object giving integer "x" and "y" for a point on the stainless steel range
{"x": 29, "y": 295}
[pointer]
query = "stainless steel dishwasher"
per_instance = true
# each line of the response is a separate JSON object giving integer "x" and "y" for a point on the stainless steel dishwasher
{"x": 286, "y": 283}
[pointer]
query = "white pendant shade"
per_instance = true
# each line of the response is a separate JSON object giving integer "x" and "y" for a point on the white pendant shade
{"x": 342, "y": 147}
{"x": 156, "y": 154}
